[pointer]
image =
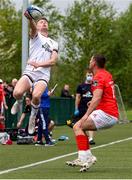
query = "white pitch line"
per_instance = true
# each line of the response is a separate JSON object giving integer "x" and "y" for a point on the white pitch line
{"x": 59, "y": 157}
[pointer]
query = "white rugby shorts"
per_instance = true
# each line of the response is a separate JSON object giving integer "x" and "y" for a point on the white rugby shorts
{"x": 35, "y": 76}
{"x": 103, "y": 120}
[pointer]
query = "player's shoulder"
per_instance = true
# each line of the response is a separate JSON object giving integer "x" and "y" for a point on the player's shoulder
{"x": 54, "y": 44}
{"x": 103, "y": 76}
{"x": 52, "y": 40}
{"x": 102, "y": 73}
{"x": 99, "y": 77}
{"x": 107, "y": 75}
{"x": 35, "y": 37}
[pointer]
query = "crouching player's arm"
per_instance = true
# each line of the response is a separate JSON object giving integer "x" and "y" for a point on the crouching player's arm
{"x": 97, "y": 95}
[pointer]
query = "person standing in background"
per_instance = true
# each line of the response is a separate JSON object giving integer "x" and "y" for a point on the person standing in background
{"x": 65, "y": 92}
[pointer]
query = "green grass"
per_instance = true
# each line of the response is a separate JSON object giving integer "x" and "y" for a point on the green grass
{"x": 129, "y": 114}
{"x": 114, "y": 161}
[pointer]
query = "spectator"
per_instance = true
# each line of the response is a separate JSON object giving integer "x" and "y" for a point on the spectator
{"x": 5, "y": 86}
{"x": 9, "y": 92}
{"x": 65, "y": 91}
{"x": 14, "y": 82}
{"x": 44, "y": 124}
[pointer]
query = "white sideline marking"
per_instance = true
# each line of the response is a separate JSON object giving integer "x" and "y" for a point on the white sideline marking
{"x": 59, "y": 157}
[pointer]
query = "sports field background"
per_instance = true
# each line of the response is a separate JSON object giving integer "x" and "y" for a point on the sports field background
{"x": 114, "y": 160}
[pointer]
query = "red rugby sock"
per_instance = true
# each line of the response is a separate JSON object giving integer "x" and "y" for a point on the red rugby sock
{"x": 82, "y": 142}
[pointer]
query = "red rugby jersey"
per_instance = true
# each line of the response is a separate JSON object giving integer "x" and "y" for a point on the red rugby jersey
{"x": 103, "y": 80}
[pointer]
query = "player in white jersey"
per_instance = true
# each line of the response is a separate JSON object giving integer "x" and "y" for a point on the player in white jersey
{"x": 43, "y": 53}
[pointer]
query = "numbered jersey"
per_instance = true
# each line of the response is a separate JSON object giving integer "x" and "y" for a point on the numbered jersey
{"x": 103, "y": 80}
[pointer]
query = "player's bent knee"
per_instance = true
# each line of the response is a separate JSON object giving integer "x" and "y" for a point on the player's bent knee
{"x": 17, "y": 94}
{"x": 36, "y": 97}
{"x": 89, "y": 125}
{"x": 76, "y": 127}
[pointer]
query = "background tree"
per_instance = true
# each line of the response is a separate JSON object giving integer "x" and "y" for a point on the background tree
{"x": 87, "y": 29}
{"x": 90, "y": 27}
{"x": 123, "y": 54}
{"x": 10, "y": 41}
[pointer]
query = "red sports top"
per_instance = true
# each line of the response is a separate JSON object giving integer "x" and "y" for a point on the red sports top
{"x": 103, "y": 80}
{"x": 1, "y": 93}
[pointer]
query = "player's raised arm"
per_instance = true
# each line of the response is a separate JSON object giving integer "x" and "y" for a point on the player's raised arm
{"x": 97, "y": 95}
{"x": 33, "y": 28}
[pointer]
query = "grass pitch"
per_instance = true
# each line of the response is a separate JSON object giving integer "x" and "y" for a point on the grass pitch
{"x": 114, "y": 160}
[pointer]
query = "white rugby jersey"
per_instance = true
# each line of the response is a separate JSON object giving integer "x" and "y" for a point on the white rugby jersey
{"x": 40, "y": 50}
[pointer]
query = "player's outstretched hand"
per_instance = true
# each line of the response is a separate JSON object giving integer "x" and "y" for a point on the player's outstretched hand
{"x": 27, "y": 15}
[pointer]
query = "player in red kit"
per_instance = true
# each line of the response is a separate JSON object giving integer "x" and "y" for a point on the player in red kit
{"x": 102, "y": 112}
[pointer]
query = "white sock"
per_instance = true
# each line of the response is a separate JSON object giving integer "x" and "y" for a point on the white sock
{"x": 88, "y": 152}
{"x": 19, "y": 101}
{"x": 82, "y": 155}
{"x": 34, "y": 110}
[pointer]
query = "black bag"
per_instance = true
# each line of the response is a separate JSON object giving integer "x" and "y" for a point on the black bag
{"x": 24, "y": 139}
